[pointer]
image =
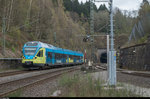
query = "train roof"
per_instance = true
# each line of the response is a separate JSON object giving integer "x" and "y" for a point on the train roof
{"x": 49, "y": 46}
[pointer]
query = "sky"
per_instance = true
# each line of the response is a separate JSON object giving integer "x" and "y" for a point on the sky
{"x": 123, "y": 4}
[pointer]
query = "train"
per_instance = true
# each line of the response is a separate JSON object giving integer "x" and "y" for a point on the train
{"x": 39, "y": 55}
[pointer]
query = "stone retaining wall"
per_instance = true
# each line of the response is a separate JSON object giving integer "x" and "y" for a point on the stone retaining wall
{"x": 10, "y": 64}
{"x": 136, "y": 57}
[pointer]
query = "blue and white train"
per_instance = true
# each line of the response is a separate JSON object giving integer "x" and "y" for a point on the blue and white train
{"x": 41, "y": 55}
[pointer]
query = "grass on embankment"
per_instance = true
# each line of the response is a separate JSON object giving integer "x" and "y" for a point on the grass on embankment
{"x": 17, "y": 93}
{"x": 79, "y": 86}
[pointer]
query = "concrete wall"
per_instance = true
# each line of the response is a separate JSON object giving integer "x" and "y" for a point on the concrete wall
{"x": 10, "y": 64}
{"x": 135, "y": 57}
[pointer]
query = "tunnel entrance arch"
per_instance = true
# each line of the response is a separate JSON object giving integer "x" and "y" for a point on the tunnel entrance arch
{"x": 102, "y": 55}
{"x": 103, "y": 58}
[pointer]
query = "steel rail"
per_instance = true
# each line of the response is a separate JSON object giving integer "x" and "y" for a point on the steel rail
{"x": 135, "y": 73}
{"x": 5, "y": 74}
{"x": 59, "y": 72}
{"x": 10, "y": 58}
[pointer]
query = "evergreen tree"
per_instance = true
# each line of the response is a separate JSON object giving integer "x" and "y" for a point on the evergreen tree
{"x": 102, "y": 7}
{"x": 145, "y": 1}
{"x": 80, "y": 8}
{"x": 144, "y": 8}
{"x": 67, "y": 4}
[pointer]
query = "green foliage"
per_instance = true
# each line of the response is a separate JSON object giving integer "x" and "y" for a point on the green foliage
{"x": 68, "y": 80}
{"x": 144, "y": 13}
{"x": 86, "y": 86}
{"x": 27, "y": 23}
{"x": 55, "y": 2}
{"x": 123, "y": 23}
{"x": 75, "y": 6}
{"x": 101, "y": 21}
{"x": 145, "y": 8}
{"x": 13, "y": 48}
{"x": 18, "y": 93}
{"x": 52, "y": 18}
{"x": 18, "y": 34}
{"x": 102, "y": 7}
{"x": 143, "y": 39}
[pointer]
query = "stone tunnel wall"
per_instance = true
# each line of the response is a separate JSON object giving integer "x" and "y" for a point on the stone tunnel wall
{"x": 135, "y": 57}
{"x": 100, "y": 52}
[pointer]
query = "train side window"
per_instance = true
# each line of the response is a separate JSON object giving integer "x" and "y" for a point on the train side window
{"x": 64, "y": 56}
{"x": 40, "y": 54}
{"x": 61, "y": 56}
{"x": 71, "y": 56}
{"x": 78, "y": 57}
{"x": 49, "y": 54}
{"x": 57, "y": 56}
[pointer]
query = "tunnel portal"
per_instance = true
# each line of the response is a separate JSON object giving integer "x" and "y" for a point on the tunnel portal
{"x": 103, "y": 58}
{"x": 102, "y": 55}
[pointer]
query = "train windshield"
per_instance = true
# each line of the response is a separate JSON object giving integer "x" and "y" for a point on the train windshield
{"x": 30, "y": 50}
{"x": 32, "y": 44}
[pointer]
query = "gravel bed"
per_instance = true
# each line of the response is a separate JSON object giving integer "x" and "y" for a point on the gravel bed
{"x": 134, "y": 80}
{"x": 17, "y": 84}
{"x": 25, "y": 75}
{"x": 20, "y": 76}
{"x": 125, "y": 78}
{"x": 44, "y": 89}
{"x": 8, "y": 71}
{"x": 47, "y": 87}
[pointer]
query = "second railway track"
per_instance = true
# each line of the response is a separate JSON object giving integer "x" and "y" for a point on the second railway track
{"x": 135, "y": 73}
{"x": 5, "y": 74}
{"x": 12, "y": 86}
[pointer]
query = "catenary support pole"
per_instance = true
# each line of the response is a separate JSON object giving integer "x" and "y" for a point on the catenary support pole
{"x": 112, "y": 54}
{"x": 108, "y": 56}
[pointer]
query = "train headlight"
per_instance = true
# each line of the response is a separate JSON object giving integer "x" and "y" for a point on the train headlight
{"x": 35, "y": 58}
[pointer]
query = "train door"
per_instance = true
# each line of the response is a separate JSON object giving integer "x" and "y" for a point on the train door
{"x": 49, "y": 58}
{"x": 74, "y": 57}
{"x": 40, "y": 57}
{"x": 53, "y": 58}
{"x": 67, "y": 59}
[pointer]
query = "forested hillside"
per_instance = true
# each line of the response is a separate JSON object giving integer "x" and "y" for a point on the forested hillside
{"x": 144, "y": 19}
{"x": 37, "y": 20}
{"x": 60, "y": 23}
{"x": 140, "y": 29}
{"x": 123, "y": 21}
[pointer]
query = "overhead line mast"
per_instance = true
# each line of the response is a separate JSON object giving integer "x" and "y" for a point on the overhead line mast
{"x": 112, "y": 54}
{"x": 92, "y": 28}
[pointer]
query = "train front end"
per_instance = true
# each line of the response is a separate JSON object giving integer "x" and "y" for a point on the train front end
{"x": 33, "y": 55}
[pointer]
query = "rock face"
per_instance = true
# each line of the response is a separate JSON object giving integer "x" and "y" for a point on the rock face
{"x": 136, "y": 57}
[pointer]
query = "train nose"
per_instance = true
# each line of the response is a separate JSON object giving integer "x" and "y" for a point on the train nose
{"x": 29, "y": 63}
{"x": 29, "y": 57}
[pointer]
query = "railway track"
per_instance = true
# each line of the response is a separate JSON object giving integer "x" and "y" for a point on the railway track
{"x": 135, "y": 73}
{"x": 5, "y": 74}
{"x": 12, "y": 86}
{"x": 98, "y": 66}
